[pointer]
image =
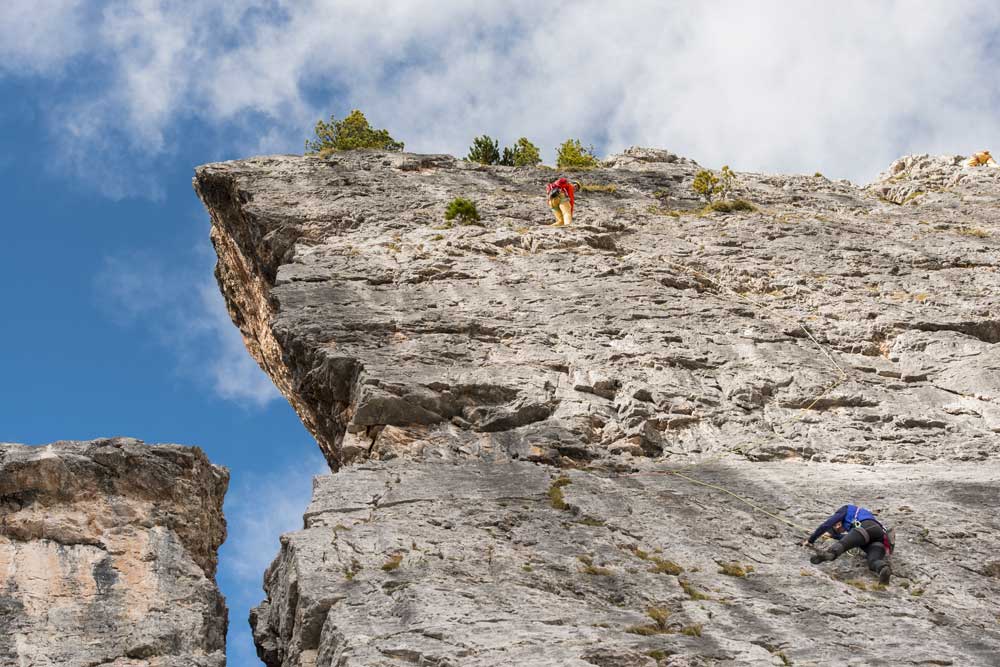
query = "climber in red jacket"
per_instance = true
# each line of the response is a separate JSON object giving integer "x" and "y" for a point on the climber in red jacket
{"x": 561, "y": 201}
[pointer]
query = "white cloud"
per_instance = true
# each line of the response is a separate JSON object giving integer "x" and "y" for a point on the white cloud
{"x": 235, "y": 375}
{"x": 184, "y": 311}
{"x": 39, "y": 37}
{"x": 843, "y": 89}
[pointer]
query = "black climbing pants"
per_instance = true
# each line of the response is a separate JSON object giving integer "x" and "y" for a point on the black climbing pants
{"x": 869, "y": 539}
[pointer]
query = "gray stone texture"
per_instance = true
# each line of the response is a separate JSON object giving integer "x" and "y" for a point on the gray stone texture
{"x": 835, "y": 344}
{"x": 108, "y": 555}
{"x": 490, "y": 573}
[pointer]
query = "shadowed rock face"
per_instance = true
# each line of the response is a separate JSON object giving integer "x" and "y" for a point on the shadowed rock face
{"x": 405, "y": 563}
{"x": 108, "y": 555}
{"x": 836, "y": 344}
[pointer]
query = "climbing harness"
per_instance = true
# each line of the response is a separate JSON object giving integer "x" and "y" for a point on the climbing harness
{"x": 888, "y": 536}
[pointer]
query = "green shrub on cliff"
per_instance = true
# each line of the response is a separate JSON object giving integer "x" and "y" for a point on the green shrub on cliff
{"x": 484, "y": 150}
{"x": 349, "y": 134}
{"x": 573, "y": 155}
{"x": 464, "y": 210}
{"x": 705, "y": 184}
{"x": 522, "y": 154}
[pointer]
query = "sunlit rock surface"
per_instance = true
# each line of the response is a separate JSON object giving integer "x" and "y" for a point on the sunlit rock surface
{"x": 837, "y": 343}
{"x": 108, "y": 555}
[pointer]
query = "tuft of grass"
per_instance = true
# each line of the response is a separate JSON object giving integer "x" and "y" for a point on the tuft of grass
{"x": 691, "y": 591}
{"x": 784, "y": 658}
{"x": 660, "y": 565}
{"x": 594, "y": 187}
{"x": 437, "y": 237}
{"x": 394, "y": 562}
{"x": 527, "y": 568}
{"x": 735, "y": 569}
{"x": 590, "y": 568}
{"x": 864, "y": 585}
{"x": 913, "y": 195}
{"x": 589, "y": 521}
{"x": 660, "y": 617}
{"x": 639, "y": 553}
{"x": 351, "y": 571}
{"x": 556, "y": 498}
{"x": 671, "y": 212}
{"x": 663, "y": 566}
{"x": 657, "y": 655}
{"x": 692, "y": 630}
{"x": 917, "y": 592}
{"x": 818, "y": 175}
{"x": 733, "y": 206}
{"x": 973, "y": 231}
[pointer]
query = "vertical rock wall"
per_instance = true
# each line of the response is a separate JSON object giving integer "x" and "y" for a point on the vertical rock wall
{"x": 604, "y": 444}
{"x": 108, "y": 555}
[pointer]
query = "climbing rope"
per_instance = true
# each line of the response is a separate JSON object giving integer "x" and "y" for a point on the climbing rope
{"x": 843, "y": 376}
{"x": 762, "y": 306}
{"x": 716, "y": 487}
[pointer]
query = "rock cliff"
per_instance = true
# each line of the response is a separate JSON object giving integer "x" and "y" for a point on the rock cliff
{"x": 553, "y": 446}
{"x": 108, "y": 555}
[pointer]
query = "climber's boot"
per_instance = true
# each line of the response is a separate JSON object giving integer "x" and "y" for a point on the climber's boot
{"x": 884, "y": 573}
{"x": 822, "y": 557}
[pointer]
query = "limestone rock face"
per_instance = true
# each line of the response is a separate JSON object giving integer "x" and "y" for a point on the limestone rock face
{"x": 835, "y": 344}
{"x": 404, "y": 563}
{"x": 828, "y": 324}
{"x": 108, "y": 555}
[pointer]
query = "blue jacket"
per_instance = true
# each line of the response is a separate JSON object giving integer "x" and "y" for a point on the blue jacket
{"x": 846, "y": 515}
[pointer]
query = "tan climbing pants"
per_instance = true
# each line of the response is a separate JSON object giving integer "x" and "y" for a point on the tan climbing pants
{"x": 561, "y": 209}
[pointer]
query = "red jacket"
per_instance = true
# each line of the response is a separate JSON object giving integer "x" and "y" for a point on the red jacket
{"x": 565, "y": 186}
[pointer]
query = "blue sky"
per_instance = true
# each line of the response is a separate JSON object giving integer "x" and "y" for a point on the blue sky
{"x": 113, "y": 324}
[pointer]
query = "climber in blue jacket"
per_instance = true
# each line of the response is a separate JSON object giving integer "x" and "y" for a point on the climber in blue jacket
{"x": 856, "y": 527}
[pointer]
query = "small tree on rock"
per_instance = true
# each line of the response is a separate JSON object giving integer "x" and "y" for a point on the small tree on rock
{"x": 484, "y": 150}
{"x": 705, "y": 183}
{"x": 464, "y": 210}
{"x": 727, "y": 181}
{"x": 573, "y": 155}
{"x": 349, "y": 134}
{"x": 522, "y": 154}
